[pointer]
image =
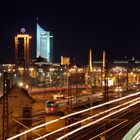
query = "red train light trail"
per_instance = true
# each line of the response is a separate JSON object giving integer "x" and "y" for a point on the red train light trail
{"x": 37, "y": 90}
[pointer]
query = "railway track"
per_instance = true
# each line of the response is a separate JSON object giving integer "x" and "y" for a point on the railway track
{"x": 129, "y": 118}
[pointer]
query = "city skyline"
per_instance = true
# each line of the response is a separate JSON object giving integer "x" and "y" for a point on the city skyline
{"x": 69, "y": 70}
{"x": 77, "y": 27}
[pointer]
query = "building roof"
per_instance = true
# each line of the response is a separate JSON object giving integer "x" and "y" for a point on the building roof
{"x": 23, "y": 91}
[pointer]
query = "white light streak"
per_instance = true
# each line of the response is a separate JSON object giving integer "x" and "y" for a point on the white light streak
{"x": 89, "y": 124}
{"x": 32, "y": 129}
{"x": 91, "y": 117}
{"x": 72, "y": 114}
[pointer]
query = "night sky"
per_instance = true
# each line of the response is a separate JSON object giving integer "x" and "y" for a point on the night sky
{"x": 77, "y": 26}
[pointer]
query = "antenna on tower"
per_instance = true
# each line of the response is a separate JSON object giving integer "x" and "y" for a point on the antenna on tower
{"x": 37, "y": 19}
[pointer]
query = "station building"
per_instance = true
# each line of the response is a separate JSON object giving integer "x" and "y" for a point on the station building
{"x": 19, "y": 109}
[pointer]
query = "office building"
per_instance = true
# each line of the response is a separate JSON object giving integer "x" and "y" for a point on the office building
{"x": 44, "y": 44}
{"x": 22, "y": 49}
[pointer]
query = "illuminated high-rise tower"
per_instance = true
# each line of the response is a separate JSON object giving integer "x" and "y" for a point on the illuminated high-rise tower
{"x": 90, "y": 61}
{"x": 22, "y": 49}
{"x": 44, "y": 44}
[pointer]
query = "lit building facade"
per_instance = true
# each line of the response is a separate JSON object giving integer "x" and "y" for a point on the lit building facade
{"x": 65, "y": 60}
{"x": 44, "y": 44}
{"x": 22, "y": 49}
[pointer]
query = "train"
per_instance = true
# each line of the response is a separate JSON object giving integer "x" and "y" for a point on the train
{"x": 55, "y": 105}
{"x": 51, "y": 106}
